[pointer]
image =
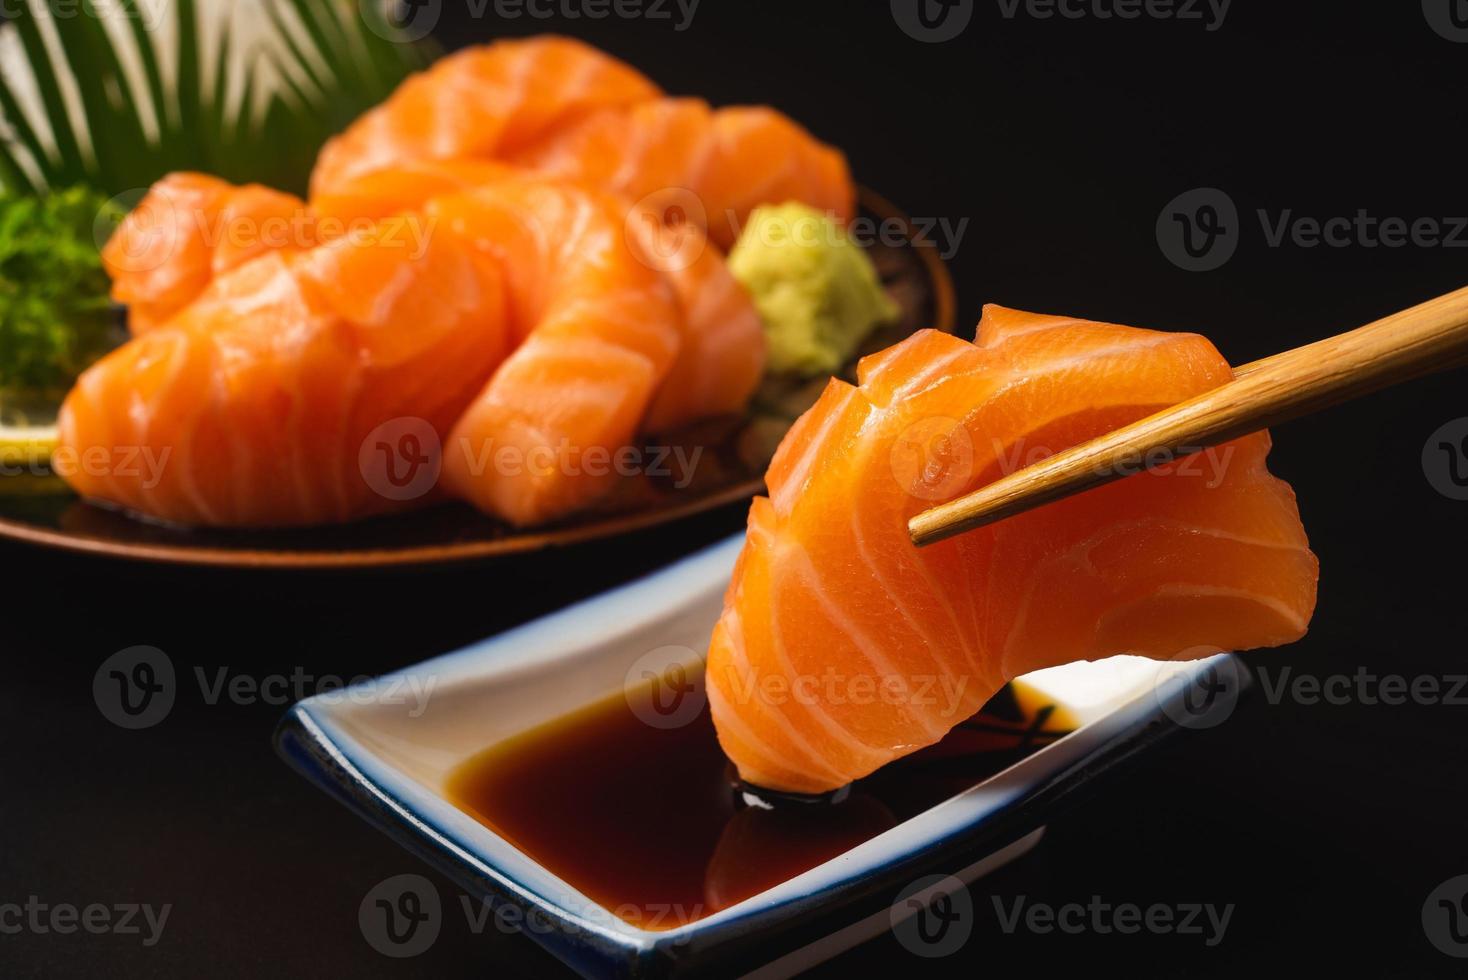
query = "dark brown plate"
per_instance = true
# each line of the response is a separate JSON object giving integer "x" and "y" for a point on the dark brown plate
{"x": 734, "y": 455}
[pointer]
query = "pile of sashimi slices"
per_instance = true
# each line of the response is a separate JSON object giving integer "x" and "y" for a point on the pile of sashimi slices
{"x": 487, "y": 255}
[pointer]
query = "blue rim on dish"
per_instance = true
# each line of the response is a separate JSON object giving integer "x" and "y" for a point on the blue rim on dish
{"x": 362, "y": 752}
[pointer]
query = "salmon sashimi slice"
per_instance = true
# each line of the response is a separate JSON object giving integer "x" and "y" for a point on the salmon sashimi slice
{"x": 842, "y": 646}
{"x": 483, "y": 103}
{"x": 716, "y": 166}
{"x": 597, "y": 332}
{"x": 405, "y": 187}
{"x": 255, "y": 405}
{"x": 721, "y": 356}
{"x": 190, "y": 228}
{"x": 722, "y": 353}
{"x": 565, "y": 109}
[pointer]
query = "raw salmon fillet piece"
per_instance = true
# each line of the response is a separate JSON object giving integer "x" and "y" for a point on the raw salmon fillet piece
{"x": 190, "y": 228}
{"x": 721, "y": 356}
{"x": 721, "y": 353}
{"x": 596, "y": 333}
{"x": 842, "y": 646}
{"x": 714, "y": 166}
{"x": 565, "y": 109}
{"x": 251, "y": 407}
{"x": 482, "y": 103}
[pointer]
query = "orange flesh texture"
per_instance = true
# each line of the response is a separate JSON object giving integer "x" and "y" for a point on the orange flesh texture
{"x": 565, "y": 109}
{"x": 536, "y": 231}
{"x": 596, "y": 330}
{"x": 1175, "y": 564}
{"x": 482, "y": 103}
{"x": 255, "y": 400}
{"x": 188, "y": 229}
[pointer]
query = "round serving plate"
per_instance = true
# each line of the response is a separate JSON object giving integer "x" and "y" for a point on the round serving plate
{"x": 731, "y": 457}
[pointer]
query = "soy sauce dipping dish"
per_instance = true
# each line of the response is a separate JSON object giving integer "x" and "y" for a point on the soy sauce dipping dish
{"x": 567, "y": 773}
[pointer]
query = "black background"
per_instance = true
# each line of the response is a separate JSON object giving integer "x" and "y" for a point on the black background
{"x": 1060, "y": 141}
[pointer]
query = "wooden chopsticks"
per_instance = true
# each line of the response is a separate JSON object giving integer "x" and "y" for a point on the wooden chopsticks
{"x": 1405, "y": 345}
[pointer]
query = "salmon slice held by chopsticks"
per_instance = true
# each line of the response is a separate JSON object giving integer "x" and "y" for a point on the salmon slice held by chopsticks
{"x": 842, "y": 646}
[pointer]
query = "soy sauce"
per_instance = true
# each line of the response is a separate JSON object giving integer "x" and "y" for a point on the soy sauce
{"x": 648, "y": 823}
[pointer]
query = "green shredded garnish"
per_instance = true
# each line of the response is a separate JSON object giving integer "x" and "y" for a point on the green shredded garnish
{"x": 55, "y": 316}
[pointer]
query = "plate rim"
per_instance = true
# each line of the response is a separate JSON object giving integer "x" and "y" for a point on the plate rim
{"x": 945, "y": 318}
